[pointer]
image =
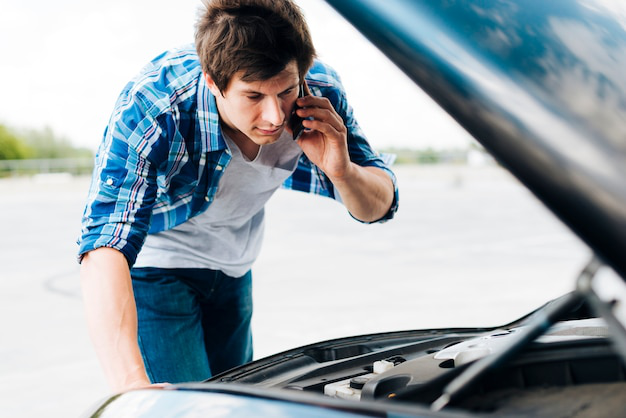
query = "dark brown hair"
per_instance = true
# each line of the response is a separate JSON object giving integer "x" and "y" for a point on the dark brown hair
{"x": 258, "y": 37}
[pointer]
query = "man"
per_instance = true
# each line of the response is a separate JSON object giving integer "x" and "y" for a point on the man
{"x": 196, "y": 145}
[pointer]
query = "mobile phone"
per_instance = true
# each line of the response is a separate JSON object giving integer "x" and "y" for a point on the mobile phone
{"x": 296, "y": 121}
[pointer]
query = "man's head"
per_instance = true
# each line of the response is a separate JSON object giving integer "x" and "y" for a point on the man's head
{"x": 255, "y": 38}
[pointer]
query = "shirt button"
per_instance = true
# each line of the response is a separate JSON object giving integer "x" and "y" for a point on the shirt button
{"x": 206, "y": 198}
{"x": 219, "y": 168}
{"x": 109, "y": 181}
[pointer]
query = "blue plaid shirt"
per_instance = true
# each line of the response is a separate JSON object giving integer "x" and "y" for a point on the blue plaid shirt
{"x": 163, "y": 154}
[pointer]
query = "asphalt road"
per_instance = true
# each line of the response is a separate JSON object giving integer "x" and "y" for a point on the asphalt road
{"x": 469, "y": 247}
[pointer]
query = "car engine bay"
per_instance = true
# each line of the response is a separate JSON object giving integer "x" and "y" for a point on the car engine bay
{"x": 560, "y": 360}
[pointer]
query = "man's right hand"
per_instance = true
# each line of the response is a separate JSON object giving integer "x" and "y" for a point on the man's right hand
{"x": 112, "y": 318}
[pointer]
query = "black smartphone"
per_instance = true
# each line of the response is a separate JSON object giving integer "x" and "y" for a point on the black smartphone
{"x": 296, "y": 121}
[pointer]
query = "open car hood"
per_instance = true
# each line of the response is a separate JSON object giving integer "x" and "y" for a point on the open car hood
{"x": 540, "y": 84}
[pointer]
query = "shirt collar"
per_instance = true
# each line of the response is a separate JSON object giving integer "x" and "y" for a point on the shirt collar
{"x": 209, "y": 119}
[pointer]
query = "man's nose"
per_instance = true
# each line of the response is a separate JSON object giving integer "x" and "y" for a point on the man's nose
{"x": 272, "y": 111}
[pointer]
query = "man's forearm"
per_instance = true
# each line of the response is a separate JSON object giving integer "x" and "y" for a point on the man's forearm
{"x": 112, "y": 317}
{"x": 367, "y": 192}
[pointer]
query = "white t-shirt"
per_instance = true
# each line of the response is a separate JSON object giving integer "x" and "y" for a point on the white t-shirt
{"x": 228, "y": 235}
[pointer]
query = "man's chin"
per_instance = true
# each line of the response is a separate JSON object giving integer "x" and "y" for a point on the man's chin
{"x": 264, "y": 138}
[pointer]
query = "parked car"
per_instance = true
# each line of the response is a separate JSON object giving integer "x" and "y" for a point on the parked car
{"x": 542, "y": 86}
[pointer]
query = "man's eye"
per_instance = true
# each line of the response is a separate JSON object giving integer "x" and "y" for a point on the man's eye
{"x": 254, "y": 97}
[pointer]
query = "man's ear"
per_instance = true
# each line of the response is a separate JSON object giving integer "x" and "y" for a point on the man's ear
{"x": 211, "y": 84}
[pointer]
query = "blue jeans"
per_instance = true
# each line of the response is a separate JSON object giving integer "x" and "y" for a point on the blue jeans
{"x": 193, "y": 323}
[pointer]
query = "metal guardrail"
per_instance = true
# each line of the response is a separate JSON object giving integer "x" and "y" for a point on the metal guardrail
{"x": 78, "y": 166}
{"x": 12, "y": 168}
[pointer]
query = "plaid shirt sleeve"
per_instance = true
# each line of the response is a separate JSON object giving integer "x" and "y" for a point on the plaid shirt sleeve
{"x": 123, "y": 187}
{"x": 141, "y": 152}
{"x": 322, "y": 80}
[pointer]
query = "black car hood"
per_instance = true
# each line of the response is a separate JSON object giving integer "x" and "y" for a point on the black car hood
{"x": 540, "y": 84}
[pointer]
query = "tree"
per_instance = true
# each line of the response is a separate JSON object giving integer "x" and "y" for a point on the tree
{"x": 37, "y": 143}
{"x": 13, "y": 147}
{"x": 46, "y": 144}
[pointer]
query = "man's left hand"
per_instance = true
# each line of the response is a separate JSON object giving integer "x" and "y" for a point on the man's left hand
{"x": 324, "y": 140}
{"x": 367, "y": 192}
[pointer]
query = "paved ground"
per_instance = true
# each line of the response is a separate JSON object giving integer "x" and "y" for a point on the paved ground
{"x": 468, "y": 247}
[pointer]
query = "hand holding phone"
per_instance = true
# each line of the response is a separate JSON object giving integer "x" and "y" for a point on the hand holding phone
{"x": 296, "y": 121}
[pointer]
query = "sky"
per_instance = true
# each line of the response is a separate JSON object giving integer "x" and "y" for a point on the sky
{"x": 63, "y": 64}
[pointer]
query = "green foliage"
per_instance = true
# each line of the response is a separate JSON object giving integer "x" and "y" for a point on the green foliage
{"x": 12, "y": 147}
{"x": 415, "y": 156}
{"x": 37, "y": 144}
{"x": 427, "y": 155}
{"x": 45, "y": 144}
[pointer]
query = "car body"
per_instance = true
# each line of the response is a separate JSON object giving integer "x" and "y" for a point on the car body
{"x": 541, "y": 85}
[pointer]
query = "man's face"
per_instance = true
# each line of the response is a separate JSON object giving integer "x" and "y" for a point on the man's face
{"x": 257, "y": 110}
